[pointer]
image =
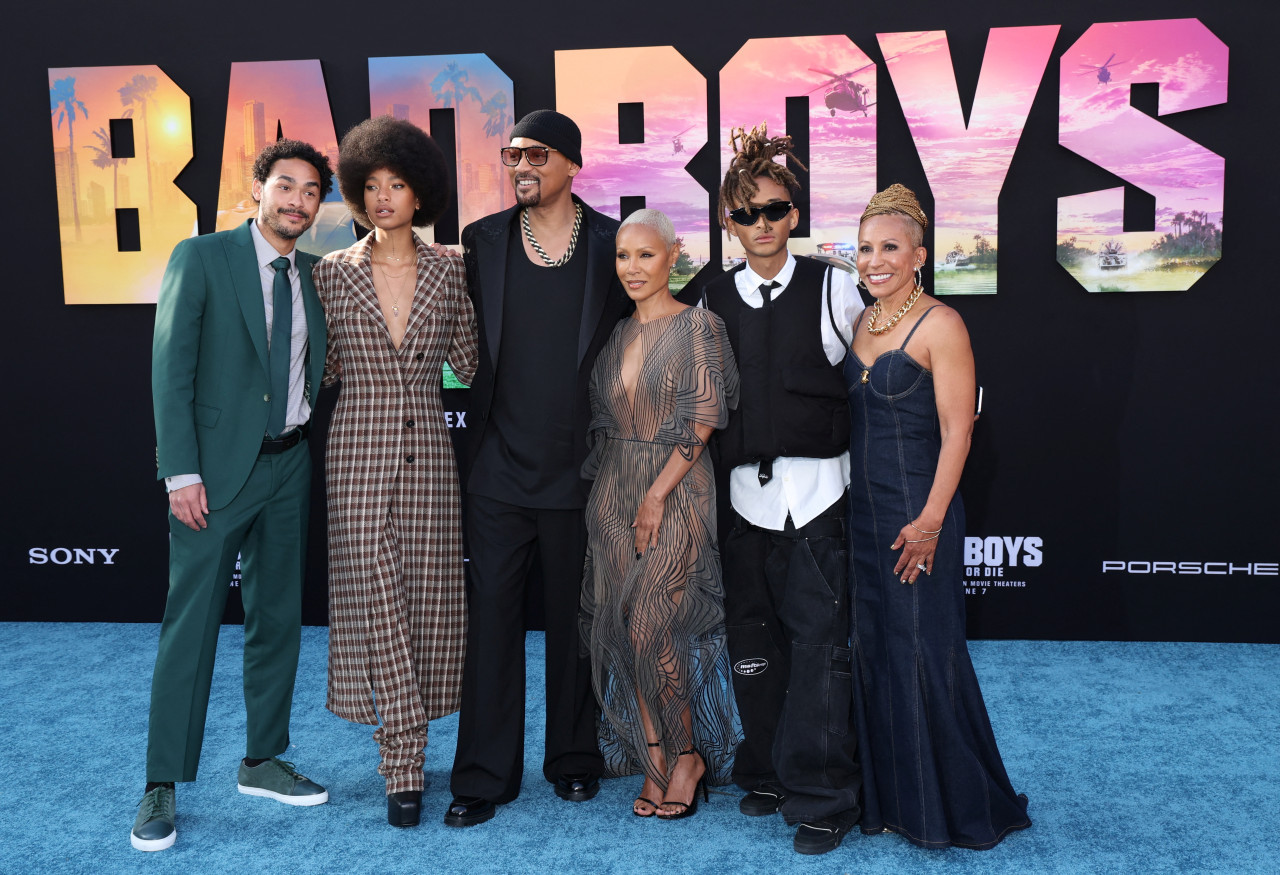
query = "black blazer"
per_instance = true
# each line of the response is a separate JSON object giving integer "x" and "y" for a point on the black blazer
{"x": 604, "y": 302}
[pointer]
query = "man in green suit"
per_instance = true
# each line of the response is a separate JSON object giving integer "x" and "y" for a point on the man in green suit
{"x": 239, "y": 343}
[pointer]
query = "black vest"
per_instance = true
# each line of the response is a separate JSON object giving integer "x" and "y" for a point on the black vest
{"x": 793, "y": 401}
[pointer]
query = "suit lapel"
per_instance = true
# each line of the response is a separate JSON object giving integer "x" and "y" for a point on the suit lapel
{"x": 316, "y": 329}
{"x": 357, "y": 270}
{"x": 430, "y": 272}
{"x": 243, "y": 262}
{"x": 491, "y": 256}
{"x": 600, "y": 273}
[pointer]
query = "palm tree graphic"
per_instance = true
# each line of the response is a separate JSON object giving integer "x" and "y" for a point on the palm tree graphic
{"x": 496, "y": 109}
{"x": 454, "y": 78}
{"x": 141, "y": 91}
{"x": 102, "y": 159}
{"x": 63, "y": 104}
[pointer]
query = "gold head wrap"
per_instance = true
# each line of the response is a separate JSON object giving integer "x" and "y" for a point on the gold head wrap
{"x": 898, "y": 199}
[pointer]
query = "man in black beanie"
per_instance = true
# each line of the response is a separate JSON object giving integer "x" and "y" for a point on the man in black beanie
{"x": 547, "y": 297}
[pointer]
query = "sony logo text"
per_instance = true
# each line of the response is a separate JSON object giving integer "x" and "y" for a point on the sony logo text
{"x": 71, "y": 555}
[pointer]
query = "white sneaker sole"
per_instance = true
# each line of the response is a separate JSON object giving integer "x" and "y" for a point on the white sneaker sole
{"x": 153, "y": 844}
{"x": 315, "y": 799}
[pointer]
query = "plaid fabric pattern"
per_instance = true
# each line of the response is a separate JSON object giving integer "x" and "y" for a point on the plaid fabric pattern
{"x": 397, "y": 609}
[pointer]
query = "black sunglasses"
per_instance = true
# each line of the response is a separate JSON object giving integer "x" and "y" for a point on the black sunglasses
{"x": 536, "y": 155}
{"x": 748, "y": 216}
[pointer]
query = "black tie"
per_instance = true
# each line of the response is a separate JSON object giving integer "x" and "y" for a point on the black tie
{"x": 766, "y": 291}
{"x": 281, "y": 336}
{"x": 765, "y": 472}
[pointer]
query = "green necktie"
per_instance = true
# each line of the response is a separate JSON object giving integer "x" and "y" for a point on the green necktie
{"x": 281, "y": 337}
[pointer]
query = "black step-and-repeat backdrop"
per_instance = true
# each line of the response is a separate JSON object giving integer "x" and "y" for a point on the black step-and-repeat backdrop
{"x": 1078, "y": 163}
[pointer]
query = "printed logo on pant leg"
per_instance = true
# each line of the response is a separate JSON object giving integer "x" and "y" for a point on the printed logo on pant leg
{"x": 751, "y": 666}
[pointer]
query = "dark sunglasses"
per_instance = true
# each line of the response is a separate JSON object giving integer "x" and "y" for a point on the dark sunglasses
{"x": 748, "y": 216}
{"x": 536, "y": 155}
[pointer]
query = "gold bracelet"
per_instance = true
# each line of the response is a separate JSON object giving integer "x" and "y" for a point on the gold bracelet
{"x": 922, "y": 531}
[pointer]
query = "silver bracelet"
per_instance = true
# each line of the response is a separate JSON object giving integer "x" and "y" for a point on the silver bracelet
{"x": 922, "y": 540}
{"x": 922, "y": 531}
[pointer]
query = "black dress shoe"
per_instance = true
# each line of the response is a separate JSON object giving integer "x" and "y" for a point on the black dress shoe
{"x": 403, "y": 808}
{"x": 763, "y": 800}
{"x": 577, "y": 786}
{"x": 468, "y": 811}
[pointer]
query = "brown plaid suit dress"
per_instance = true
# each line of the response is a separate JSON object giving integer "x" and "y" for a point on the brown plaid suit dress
{"x": 397, "y": 605}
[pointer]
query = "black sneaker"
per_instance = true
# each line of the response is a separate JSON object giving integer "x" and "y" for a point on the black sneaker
{"x": 763, "y": 800}
{"x": 820, "y": 836}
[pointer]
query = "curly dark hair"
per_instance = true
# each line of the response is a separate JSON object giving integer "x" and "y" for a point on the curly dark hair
{"x": 282, "y": 150}
{"x": 403, "y": 148}
{"x": 753, "y": 154}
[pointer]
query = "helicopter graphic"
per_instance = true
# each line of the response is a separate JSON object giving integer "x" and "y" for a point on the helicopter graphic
{"x": 677, "y": 144}
{"x": 844, "y": 94}
{"x": 1104, "y": 75}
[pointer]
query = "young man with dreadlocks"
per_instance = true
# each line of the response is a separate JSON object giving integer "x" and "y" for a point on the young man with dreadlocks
{"x": 786, "y": 450}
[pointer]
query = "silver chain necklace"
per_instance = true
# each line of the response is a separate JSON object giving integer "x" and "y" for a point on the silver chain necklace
{"x": 537, "y": 247}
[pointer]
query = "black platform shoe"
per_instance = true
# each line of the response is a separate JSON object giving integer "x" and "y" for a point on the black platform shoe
{"x": 404, "y": 808}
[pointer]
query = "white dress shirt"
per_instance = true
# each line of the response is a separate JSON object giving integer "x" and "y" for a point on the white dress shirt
{"x": 801, "y": 487}
{"x": 299, "y": 409}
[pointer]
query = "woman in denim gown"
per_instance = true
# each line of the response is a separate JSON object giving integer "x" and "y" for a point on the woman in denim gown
{"x": 931, "y": 769}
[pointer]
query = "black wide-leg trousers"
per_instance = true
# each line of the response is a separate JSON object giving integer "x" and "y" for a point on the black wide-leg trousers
{"x": 502, "y": 539}
{"x": 787, "y": 618}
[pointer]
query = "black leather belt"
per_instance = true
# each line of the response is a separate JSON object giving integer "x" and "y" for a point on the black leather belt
{"x": 271, "y": 446}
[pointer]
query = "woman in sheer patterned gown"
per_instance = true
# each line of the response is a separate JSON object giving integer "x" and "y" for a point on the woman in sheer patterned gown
{"x": 652, "y": 596}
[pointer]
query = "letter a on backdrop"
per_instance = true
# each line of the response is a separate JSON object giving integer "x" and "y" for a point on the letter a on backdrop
{"x": 288, "y": 98}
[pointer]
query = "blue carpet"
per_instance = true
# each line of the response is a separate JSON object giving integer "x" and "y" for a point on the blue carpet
{"x": 1136, "y": 757}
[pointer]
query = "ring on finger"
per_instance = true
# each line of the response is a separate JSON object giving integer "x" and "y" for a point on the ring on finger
{"x": 922, "y": 567}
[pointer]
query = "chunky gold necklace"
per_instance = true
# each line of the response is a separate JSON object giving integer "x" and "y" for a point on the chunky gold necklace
{"x": 896, "y": 317}
{"x": 537, "y": 247}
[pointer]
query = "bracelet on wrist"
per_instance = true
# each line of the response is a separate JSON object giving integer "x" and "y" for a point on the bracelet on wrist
{"x": 922, "y": 531}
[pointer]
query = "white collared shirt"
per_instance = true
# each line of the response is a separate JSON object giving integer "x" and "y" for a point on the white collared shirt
{"x": 299, "y": 410}
{"x": 801, "y": 487}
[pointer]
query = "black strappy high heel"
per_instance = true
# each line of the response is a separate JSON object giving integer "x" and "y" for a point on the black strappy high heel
{"x": 644, "y": 799}
{"x": 691, "y": 807}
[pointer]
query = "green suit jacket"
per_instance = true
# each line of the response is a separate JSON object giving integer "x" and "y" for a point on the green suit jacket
{"x": 209, "y": 381}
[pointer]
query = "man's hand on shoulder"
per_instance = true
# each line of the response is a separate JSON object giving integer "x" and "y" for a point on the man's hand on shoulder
{"x": 441, "y": 249}
{"x": 190, "y": 506}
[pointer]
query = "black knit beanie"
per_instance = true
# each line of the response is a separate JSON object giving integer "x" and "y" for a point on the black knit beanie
{"x": 555, "y": 130}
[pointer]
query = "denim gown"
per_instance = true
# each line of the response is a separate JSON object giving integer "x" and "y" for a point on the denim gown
{"x": 931, "y": 768}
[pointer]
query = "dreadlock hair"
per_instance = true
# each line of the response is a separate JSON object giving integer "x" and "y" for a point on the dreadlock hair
{"x": 753, "y": 154}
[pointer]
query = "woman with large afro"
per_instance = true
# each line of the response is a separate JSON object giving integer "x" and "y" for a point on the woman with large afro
{"x": 397, "y": 310}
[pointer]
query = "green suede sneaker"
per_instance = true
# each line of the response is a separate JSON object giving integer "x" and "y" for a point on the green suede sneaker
{"x": 279, "y": 780}
{"x": 153, "y": 830}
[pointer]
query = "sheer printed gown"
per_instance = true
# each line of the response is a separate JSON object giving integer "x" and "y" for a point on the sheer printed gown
{"x": 654, "y": 626}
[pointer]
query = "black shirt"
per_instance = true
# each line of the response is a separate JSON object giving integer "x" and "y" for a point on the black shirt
{"x": 526, "y": 457}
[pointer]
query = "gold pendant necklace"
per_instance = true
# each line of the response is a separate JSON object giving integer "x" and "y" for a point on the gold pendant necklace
{"x": 395, "y": 302}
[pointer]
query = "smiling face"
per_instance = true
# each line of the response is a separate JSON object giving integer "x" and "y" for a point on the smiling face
{"x": 287, "y": 202}
{"x": 644, "y": 261}
{"x": 540, "y": 186}
{"x": 765, "y": 239}
{"x": 887, "y": 258}
{"x": 388, "y": 200}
